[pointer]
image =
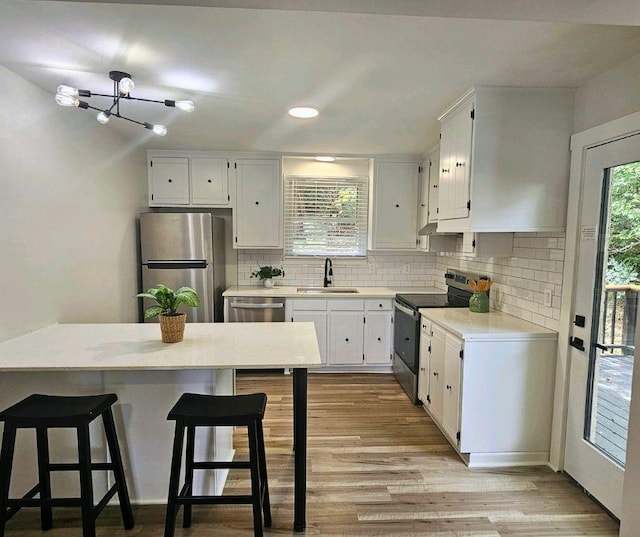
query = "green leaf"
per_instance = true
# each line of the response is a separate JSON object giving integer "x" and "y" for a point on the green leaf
{"x": 153, "y": 311}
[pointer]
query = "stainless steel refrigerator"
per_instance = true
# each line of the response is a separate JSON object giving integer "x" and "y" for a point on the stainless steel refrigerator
{"x": 179, "y": 249}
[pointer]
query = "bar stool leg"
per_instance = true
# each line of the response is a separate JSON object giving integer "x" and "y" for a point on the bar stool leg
{"x": 118, "y": 469}
{"x": 188, "y": 474}
{"x": 44, "y": 475}
{"x": 266, "y": 504}
{"x": 255, "y": 479}
{"x": 6, "y": 462}
{"x": 86, "y": 483}
{"x": 174, "y": 476}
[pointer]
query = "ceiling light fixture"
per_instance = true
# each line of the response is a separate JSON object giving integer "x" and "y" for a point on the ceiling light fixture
{"x": 303, "y": 112}
{"x": 323, "y": 158}
{"x": 122, "y": 88}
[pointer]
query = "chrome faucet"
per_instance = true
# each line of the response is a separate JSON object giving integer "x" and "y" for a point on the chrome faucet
{"x": 328, "y": 272}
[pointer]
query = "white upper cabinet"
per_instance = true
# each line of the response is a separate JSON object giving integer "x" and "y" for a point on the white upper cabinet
{"x": 505, "y": 160}
{"x": 210, "y": 181}
{"x": 178, "y": 179}
{"x": 168, "y": 181}
{"x": 257, "y": 216}
{"x": 394, "y": 210}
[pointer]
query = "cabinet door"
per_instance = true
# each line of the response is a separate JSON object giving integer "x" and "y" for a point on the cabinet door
{"x": 257, "y": 218}
{"x": 451, "y": 395}
{"x": 319, "y": 319}
{"x": 423, "y": 369}
{"x": 168, "y": 181}
{"x": 434, "y": 181}
{"x": 377, "y": 337}
{"x": 209, "y": 181}
{"x": 487, "y": 244}
{"x": 423, "y": 208}
{"x": 395, "y": 209}
{"x": 346, "y": 337}
{"x": 436, "y": 373}
{"x": 454, "y": 187}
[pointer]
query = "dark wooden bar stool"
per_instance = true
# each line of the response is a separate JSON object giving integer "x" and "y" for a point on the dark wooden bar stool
{"x": 194, "y": 410}
{"x": 43, "y": 412}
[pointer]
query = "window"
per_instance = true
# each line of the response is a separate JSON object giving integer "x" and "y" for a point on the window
{"x": 325, "y": 216}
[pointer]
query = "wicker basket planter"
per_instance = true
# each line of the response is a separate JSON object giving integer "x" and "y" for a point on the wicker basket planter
{"x": 172, "y": 327}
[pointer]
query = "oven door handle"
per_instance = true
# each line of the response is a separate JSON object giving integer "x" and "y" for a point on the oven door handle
{"x": 404, "y": 309}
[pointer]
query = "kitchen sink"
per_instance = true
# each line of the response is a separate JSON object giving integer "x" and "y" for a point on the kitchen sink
{"x": 326, "y": 290}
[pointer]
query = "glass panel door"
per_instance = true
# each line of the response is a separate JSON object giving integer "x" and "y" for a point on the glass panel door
{"x": 615, "y": 305}
{"x": 604, "y": 314}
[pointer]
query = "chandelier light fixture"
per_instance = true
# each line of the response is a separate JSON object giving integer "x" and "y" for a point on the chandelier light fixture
{"x": 122, "y": 88}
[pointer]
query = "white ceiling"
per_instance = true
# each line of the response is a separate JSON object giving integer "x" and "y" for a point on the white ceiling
{"x": 380, "y": 73}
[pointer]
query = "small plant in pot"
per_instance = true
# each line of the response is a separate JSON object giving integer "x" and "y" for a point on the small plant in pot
{"x": 267, "y": 273}
{"x": 172, "y": 323}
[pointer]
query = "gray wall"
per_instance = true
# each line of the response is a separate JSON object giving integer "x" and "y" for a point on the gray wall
{"x": 70, "y": 194}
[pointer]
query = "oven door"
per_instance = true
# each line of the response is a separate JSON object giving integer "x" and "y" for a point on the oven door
{"x": 406, "y": 335}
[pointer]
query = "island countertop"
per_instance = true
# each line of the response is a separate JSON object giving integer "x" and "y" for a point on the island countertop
{"x": 134, "y": 346}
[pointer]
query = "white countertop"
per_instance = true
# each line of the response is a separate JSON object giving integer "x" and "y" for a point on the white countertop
{"x": 102, "y": 347}
{"x": 363, "y": 292}
{"x": 494, "y": 325}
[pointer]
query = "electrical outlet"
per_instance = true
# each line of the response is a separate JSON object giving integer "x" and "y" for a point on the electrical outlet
{"x": 372, "y": 268}
{"x": 548, "y": 297}
{"x": 407, "y": 268}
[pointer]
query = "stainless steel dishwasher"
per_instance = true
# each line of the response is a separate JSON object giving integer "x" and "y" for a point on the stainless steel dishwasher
{"x": 252, "y": 309}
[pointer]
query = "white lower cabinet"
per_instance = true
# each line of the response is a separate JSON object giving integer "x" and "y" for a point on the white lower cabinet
{"x": 311, "y": 311}
{"x": 351, "y": 332}
{"x": 346, "y": 337}
{"x": 490, "y": 394}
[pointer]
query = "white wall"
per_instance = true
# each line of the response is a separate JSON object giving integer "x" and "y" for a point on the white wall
{"x": 70, "y": 192}
{"x": 611, "y": 95}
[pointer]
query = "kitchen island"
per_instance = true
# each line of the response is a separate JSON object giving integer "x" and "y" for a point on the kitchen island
{"x": 148, "y": 376}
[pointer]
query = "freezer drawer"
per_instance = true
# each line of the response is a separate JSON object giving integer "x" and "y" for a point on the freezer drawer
{"x": 199, "y": 279}
{"x": 256, "y": 310}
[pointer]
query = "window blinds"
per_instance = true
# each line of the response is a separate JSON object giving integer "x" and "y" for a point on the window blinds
{"x": 325, "y": 216}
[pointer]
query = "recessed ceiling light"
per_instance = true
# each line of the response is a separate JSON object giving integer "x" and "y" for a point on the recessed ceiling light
{"x": 327, "y": 158}
{"x": 303, "y": 112}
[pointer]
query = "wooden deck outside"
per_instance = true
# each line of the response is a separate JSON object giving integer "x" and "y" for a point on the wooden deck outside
{"x": 613, "y": 397}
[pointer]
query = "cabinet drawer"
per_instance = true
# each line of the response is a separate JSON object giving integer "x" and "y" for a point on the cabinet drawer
{"x": 308, "y": 304}
{"x": 378, "y": 304}
{"x": 425, "y": 326}
{"x": 345, "y": 305}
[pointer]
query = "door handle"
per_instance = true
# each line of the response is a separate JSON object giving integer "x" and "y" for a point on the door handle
{"x": 577, "y": 343}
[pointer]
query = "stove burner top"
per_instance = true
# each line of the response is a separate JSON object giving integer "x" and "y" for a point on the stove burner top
{"x": 416, "y": 301}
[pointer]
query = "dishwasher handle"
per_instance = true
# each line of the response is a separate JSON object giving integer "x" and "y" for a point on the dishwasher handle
{"x": 249, "y": 306}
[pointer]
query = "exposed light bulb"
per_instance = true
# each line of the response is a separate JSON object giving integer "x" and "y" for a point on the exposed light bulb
{"x": 66, "y": 100}
{"x": 187, "y": 106}
{"x": 68, "y": 90}
{"x": 126, "y": 85}
{"x": 103, "y": 117}
{"x": 160, "y": 130}
{"x": 323, "y": 158}
{"x": 303, "y": 112}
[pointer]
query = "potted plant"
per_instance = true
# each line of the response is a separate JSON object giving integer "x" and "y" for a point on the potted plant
{"x": 172, "y": 323}
{"x": 266, "y": 274}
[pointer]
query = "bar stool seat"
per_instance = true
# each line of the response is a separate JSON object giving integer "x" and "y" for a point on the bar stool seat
{"x": 197, "y": 410}
{"x": 42, "y": 412}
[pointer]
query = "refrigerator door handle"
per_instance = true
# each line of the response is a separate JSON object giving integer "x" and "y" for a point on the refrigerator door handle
{"x": 200, "y": 263}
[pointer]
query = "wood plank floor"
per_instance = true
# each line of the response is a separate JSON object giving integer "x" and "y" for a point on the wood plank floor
{"x": 377, "y": 467}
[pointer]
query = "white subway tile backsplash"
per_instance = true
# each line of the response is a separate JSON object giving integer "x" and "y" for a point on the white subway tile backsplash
{"x": 519, "y": 281}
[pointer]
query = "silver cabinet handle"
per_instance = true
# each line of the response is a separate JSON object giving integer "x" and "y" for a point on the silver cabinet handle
{"x": 257, "y": 306}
